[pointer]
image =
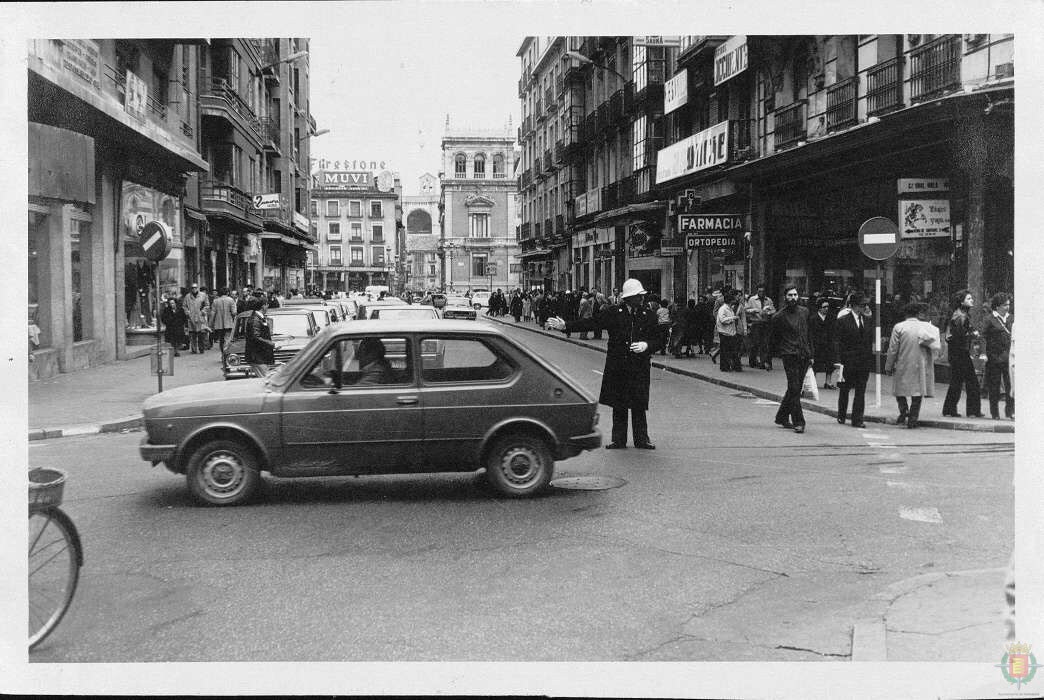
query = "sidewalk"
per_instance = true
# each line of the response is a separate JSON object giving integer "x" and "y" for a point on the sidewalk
{"x": 772, "y": 384}
{"x": 108, "y": 398}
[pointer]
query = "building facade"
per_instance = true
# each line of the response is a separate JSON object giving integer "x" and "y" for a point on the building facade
{"x": 126, "y": 132}
{"x": 740, "y": 160}
{"x": 420, "y": 214}
{"x": 358, "y": 222}
{"x": 478, "y": 247}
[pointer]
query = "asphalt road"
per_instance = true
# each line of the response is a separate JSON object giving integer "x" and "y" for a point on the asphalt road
{"x": 734, "y": 540}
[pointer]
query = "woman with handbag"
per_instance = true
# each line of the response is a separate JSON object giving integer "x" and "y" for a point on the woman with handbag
{"x": 912, "y": 350}
{"x": 997, "y": 334}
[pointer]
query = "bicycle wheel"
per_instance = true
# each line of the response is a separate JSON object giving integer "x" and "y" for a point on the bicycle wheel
{"x": 55, "y": 557}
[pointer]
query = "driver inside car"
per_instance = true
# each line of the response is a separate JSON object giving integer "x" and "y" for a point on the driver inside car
{"x": 373, "y": 368}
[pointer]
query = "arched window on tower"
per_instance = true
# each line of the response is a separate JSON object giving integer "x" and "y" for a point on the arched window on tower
{"x": 480, "y": 166}
{"x": 460, "y": 165}
{"x": 498, "y": 166}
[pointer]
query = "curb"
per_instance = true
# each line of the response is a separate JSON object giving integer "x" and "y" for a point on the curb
{"x": 764, "y": 394}
{"x": 115, "y": 426}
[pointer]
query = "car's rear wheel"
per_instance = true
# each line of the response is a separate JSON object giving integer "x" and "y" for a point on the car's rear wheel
{"x": 223, "y": 473}
{"x": 519, "y": 465}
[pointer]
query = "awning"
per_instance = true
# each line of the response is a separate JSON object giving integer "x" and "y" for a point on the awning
{"x": 287, "y": 240}
{"x": 194, "y": 214}
{"x": 631, "y": 210}
{"x": 535, "y": 254}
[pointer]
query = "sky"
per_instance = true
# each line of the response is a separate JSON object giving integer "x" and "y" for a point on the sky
{"x": 385, "y": 94}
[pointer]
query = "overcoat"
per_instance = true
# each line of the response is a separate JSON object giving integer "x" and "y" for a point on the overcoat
{"x": 625, "y": 380}
{"x": 196, "y": 311}
{"x": 821, "y": 335}
{"x": 855, "y": 345}
{"x": 223, "y": 313}
{"x": 912, "y": 350}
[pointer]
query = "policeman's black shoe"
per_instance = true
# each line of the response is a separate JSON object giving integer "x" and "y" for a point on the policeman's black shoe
{"x": 615, "y": 446}
{"x": 858, "y": 424}
{"x": 951, "y": 414}
{"x": 799, "y": 428}
{"x": 841, "y": 419}
{"x": 645, "y": 446}
{"x": 976, "y": 415}
{"x": 785, "y": 424}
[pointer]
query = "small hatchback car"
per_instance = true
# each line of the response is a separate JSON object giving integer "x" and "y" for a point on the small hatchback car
{"x": 366, "y": 398}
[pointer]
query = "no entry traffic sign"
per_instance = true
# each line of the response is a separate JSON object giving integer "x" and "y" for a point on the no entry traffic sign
{"x": 156, "y": 240}
{"x": 879, "y": 238}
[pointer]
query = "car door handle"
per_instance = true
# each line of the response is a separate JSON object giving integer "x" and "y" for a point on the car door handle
{"x": 406, "y": 400}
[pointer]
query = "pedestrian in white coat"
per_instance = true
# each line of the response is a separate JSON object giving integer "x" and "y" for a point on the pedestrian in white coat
{"x": 912, "y": 351}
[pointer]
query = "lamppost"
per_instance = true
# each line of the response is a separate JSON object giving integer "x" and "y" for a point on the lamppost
{"x": 587, "y": 61}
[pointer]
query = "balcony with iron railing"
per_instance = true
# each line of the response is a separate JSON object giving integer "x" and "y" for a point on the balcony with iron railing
{"x": 521, "y": 88}
{"x": 884, "y": 87}
{"x": 548, "y": 226}
{"x": 625, "y": 190}
{"x": 219, "y": 198}
{"x": 609, "y": 196}
{"x": 602, "y": 120}
{"x": 538, "y": 110}
{"x": 741, "y": 142}
{"x": 548, "y": 162}
{"x": 559, "y": 85}
{"x": 841, "y": 104}
{"x": 155, "y": 109}
{"x": 524, "y": 230}
{"x": 935, "y": 68}
{"x": 590, "y": 127}
{"x": 271, "y": 128}
{"x": 549, "y": 100}
{"x": 536, "y": 229}
{"x": 789, "y": 124}
{"x": 617, "y": 115}
{"x": 559, "y": 155}
{"x": 218, "y": 98}
{"x": 650, "y": 96}
{"x": 559, "y": 224}
{"x": 572, "y": 70}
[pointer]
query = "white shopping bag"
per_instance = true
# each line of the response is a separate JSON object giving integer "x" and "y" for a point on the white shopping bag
{"x": 809, "y": 388}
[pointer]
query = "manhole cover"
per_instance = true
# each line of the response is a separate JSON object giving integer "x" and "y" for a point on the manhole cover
{"x": 588, "y": 483}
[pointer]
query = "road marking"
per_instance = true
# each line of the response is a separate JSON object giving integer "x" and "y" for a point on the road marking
{"x": 882, "y": 445}
{"x": 902, "y": 469}
{"x": 875, "y": 436}
{"x": 766, "y": 402}
{"x": 905, "y": 486}
{"x": 921, "y": 515}
{"x": 596, "y": 371}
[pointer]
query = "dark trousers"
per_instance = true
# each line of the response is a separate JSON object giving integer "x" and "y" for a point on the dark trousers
{"x": 639, "y": 426}
{"x": 855, "y": 380}
{"x": 996, "y": 373}
{"x": 911, "y": 411}
{"x": 962, "y": 374}
{"x": 790, "y": 407}
{"x": 759, "y": 353}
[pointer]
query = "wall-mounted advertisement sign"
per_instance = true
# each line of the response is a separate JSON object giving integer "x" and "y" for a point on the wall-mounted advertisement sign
{"x": 710, "y": 223}
{"x": 344, "y": 180}
{"x": 706, "y": 149}
{"x": 673, "y": 41}
{"x": 137, "y": 92}
{"x": 266, "y": 201}
{"x": 924, "y": 218}
{"x": 676, "y": 91}
{"x": 917, "y": 185}
{"x": 580, "y": 205}
{"x": 730, "y": 59}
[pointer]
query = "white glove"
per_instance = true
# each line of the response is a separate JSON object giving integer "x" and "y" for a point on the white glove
{"x": 556, "y": 323}
{"x": 639, "y": 347}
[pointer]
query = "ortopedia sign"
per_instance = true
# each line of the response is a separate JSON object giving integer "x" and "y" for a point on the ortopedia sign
{"x": 712, "y": 232}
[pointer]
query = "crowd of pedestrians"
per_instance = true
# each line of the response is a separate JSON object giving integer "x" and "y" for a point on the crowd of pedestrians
{"x": 825, "y": 340}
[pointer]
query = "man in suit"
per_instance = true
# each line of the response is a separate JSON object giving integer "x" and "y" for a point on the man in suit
{"x": 222, "y": 319}
{"x": 855, "y": 343}
{"x": 633, "y": 338}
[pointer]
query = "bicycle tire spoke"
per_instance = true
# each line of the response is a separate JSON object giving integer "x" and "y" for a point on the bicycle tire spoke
{"x": 49, "y": 559}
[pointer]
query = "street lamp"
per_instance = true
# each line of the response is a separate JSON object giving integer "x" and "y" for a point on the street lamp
{"x": 288, "y": 59}
{"x": 585, "y": 60}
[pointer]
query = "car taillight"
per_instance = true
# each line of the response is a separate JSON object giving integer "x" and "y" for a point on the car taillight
{"x": 429, "y": 347}
{"x": 594, "y": 423}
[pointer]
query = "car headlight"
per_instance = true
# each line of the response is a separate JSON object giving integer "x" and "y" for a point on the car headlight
{"x": 233, "y": 359}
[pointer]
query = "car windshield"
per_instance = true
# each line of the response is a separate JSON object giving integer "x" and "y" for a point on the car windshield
{"x": 419, "y": 312}
{"x": 289, "y": 324}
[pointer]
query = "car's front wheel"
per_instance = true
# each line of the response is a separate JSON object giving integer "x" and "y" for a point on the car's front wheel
{"x": 519, "y": 465}
{"x": 223, "y": 473}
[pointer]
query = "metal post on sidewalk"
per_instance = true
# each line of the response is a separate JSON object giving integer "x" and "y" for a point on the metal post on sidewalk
{"x": 877, "y": 336}
{"x": 159, "y": 334}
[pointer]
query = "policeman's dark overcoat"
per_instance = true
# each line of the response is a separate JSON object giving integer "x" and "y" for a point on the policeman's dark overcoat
{"x": 625, "y": 381}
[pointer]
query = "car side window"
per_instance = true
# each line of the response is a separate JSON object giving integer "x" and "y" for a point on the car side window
{"x": 370, "y": 361}
{"x": 446, "y": 360}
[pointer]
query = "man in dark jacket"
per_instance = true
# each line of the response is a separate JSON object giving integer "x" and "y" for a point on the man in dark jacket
{"x": 789, "y": 340}
{"x": 633, "y": 338}
{"x": 855, "y": 352}
{"x": 260, "y": 350}
{"x": 959, "y": 334}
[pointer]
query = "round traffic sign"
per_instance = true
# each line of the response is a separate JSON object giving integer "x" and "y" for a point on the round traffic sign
{"x": 156, "y": 240}
{"x": 879, "y": 238}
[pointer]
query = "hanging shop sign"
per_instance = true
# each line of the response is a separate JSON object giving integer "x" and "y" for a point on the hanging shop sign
{"x": 918, "y": 185}
{"x": 700, "y": 151}
{"x": 671, "y": 246}
{"x": 713, "y": 242}
{"x": 266, "y": 201}
{"x": 676, "y": 91}
{"x": 667, "y": 41}
{"x": 710, "y": 223}
{"x": 925, "y": 218}
{"x": 730, "y": 59}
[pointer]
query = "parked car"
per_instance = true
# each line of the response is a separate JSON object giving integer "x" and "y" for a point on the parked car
{"x": 325, "y": 312}
{"x": 480, "y": 300}
{"x": 292, "y": 329}
{"x": 485, "y": 402}
{"x": 458, "y": 307}
{"x": 392, "y": 311}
